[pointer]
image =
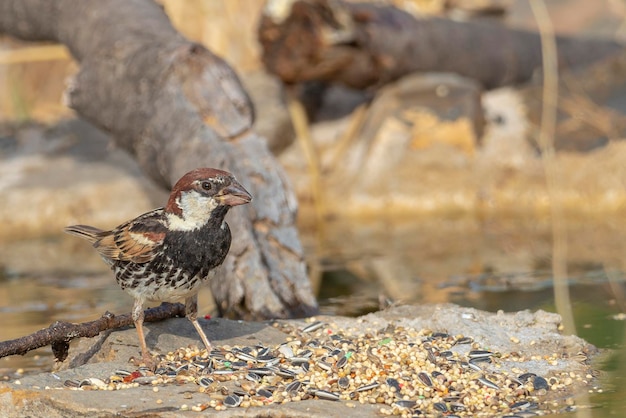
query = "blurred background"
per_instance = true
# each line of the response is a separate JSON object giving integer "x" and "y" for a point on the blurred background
{"x": 433, "y": 210}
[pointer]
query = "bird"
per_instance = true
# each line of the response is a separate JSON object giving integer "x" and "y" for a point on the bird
{"x": 167, "y": 254}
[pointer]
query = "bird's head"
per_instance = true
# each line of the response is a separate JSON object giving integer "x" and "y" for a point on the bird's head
{"x": 198, "y": 195}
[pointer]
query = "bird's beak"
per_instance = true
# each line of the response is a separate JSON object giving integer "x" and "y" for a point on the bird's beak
{"x": 234, "y": 195}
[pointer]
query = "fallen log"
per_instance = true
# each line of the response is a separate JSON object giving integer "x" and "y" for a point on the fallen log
{"x": 365, "y": 45}
{"x": 176, "y": 106}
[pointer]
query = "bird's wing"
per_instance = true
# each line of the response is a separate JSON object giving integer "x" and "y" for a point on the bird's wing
{"x": 134, "y": 240}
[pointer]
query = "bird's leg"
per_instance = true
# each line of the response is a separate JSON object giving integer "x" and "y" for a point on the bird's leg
{"x": 138, "y": 320}
{"x": 191, "y": 311}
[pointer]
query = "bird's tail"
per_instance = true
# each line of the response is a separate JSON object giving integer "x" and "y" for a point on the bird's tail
{"x": 90, "y": 233}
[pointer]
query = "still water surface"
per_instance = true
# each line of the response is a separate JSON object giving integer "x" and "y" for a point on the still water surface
{"x": 487, "y": 264}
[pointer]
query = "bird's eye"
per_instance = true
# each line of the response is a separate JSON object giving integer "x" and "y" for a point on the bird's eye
{"x": 206, "y": 185}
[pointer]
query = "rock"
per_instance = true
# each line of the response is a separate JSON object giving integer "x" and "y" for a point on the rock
{"x": 534, "y": 336}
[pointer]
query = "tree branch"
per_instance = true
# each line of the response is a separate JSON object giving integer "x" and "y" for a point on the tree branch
{"x": 366, "y": 45}
{"x": 59, "y": 334}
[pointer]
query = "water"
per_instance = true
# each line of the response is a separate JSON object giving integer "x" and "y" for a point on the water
{"x": 489, "y": 264}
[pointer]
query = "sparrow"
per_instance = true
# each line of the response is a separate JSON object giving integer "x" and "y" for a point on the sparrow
{"x": 167, "y": 254}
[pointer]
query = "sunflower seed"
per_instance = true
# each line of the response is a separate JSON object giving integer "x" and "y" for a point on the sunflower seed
{"x": 431, "y": 356}
{"x": 324, "y": 365}
{"x": 264, "y": 392}
{"x": 343, "y": 382}
{"x": 232, "y": 401}
{"x": 298, "y": 360}
{"x": 161, "y": 370}
{"x": 394, "y": 384}
{"x": 245, "y": 356}
{"x": 313, "y": 327}
{"x": 480, "y": 353}
{"x": 526, "y": 377}
{"x": 342, "y": 362}
{"x": 472, "y": 365}
{"x": 294, "y": 386}
{"x": 405, "y": 404}
{"x": 425, "y": 379}
{"x": 92, "y": 381}
{"x": 305, "y": 353}
{"x": 370, "y": 386}
{"x": 122, "y": 373}
{"x": 488, "y": 383}
{"x": 440, "y": 406}
{"x": 441, "y": 378}
{"x": 285, "y": 350}
{"x": 446, "y": 354}
{"x": 263, "y": 351}
{"x": 261, "y": 371}
{"x": 71, "y": 383}
{"x": 523, "y": 405}
{"x": 457, "y": 407}
{"x": 205, "y": 382}
{"x": 253, "y": 377}
{"x": 282, "y": 372}
{"x": 464, "y": 340}
{"x": 324, "y": 394}
{"x": 540, "y": 383}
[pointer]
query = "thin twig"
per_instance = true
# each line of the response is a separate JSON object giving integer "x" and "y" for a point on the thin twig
{"x": 546, "y": 143}
{"x": 59, "y": 334}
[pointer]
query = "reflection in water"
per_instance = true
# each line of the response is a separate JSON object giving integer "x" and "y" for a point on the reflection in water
{"x": 487, "y": 264}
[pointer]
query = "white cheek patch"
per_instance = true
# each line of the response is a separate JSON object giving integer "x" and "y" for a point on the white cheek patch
{"x": 196, "y": 211}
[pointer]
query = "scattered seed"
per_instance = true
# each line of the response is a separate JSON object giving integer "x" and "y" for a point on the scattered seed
{"x": 296, "y": 361}
{"x": 526, "y": 377}
{"x": 72, "y": 383}
{"x": 264, "y": 392}
{"x": 324, "y": 394}
{"x": 464, "y": 340}
{"x": 324, "y": 365}
{"x": 394, "y": 384}
{"x": 261, "y": 371}
{"x": 480, "y": 353}
{"x": 342, "y": 362}
{"x": 540, "y": 383}
{"x": 294, "y": 386}
{"x": 457, "y": 407}
{"x": 313, "y": 327}
{"x": 343, "y": 382}
{"x": 365, "y": 388}
{"x": 425, "y": 379}
{"x": 232, "y": 401}
{"x": 282, "y": 372}
{"x": 122, "y": 373}
{"x": 405, "y": 404}
{"x": 285, "y": 350}
{"x": 440, "y": 406}
{"x": 253, "y": 377}
{"x": 488, "y": 383}
{"x": 223, "y": 372}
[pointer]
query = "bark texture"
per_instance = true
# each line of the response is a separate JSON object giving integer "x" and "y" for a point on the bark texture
{"x": 365, "y": 45}
{"x": 176, "y": 106}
